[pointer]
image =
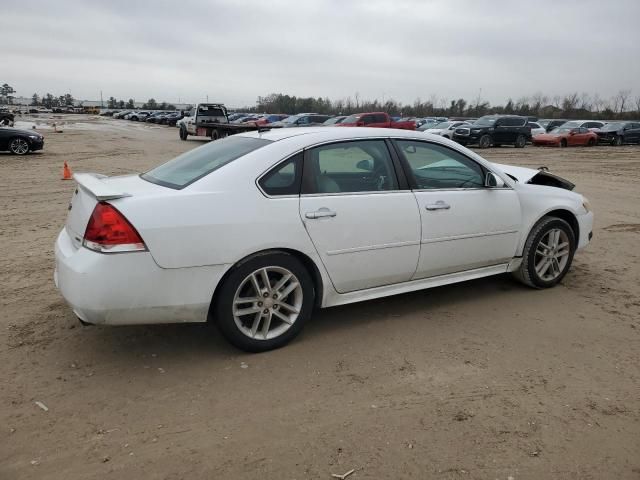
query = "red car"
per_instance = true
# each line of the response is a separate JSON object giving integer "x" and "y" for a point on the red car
{"x": 567, "y": 137}
{"x": 375, "y": 119}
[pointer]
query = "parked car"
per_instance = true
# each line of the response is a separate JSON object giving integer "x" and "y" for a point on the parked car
{"x": 171, "y": 118}
{"x": 6, "y": 118}
{"x": 376, "y": 120}
{"x": 302, "y": 120}
{"x": 284, "y": 239}
{"x": 592, "y": 125}
{"x": 267, "y": 119}
{"x": 155, "y": 117}
{"x": 444, "y": 129}
{"x": 567, "y": 137}
{"x": 549, "y": 125}
{"x": 619, "y": 133}
{"x": 20, "y": 142}
{"x": 334, "y": 120}
{"x": 122, "y": 114}
{"x": 536, "y": 128}
{"x": 495, "y": 130}
{"x": 139, "y": 116}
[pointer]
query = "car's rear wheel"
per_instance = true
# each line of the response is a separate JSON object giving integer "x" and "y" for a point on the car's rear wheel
{"x": 19, "y": 146}
{"x": 183, "y": 133}
{"x": 547, "y": 254}
{"x": 618, "y": 141}
{"x": 591, "y": 142}
{"x": 485, "y": 141}
{"x": 521, "y": 141}
{"x": 563, "y": 143}
{"x": 264, "y": 302}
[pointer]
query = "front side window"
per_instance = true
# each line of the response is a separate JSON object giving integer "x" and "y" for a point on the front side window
{"x": 438, "y": 167}
{"x": 284, "y": 179}
{"x": 349, "y": 167}
{"x": 195, "y": 164}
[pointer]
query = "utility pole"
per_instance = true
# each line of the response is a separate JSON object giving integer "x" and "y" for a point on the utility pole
{"x": 101, "y": 102}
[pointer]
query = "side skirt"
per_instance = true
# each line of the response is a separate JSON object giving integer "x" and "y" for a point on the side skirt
{"x": 397, "y": 288}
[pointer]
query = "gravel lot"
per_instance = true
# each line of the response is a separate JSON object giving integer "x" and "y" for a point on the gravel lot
{"x": 486, "y": 379}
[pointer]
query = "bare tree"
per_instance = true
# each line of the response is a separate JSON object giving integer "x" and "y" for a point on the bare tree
{"x": 621, "y": 99}
{"x": 585, "y": 102}
{"x": 638, "y": 104}
{"x": 557, "y": 100}
{"x": 570, "y": 102}
{"x": 598, "y": 103}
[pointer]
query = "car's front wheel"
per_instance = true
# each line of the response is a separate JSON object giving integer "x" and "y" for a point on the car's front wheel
{"x": 485, "y": 141}
{"x": 183, "y": 133}
{"x": 264, "y": 302}
{"x": 547, "y": 254}
{"x": 619, "y": 140}
{"x": 521, "y": 141}
{"x": 19, "y": 146}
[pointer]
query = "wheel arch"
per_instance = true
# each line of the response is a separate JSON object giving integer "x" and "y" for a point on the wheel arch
{"x": 306, "y": 261}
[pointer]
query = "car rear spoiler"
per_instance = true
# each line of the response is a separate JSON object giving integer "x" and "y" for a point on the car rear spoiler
{"x": 92, "y": 183}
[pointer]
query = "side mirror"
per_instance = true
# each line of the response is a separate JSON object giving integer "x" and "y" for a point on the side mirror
{"x": 365, "y": 165}
{"x": 493, "y": 181}
{"x": 572, "y": 133}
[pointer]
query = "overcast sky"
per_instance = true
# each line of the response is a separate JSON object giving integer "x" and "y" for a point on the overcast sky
{"x": 235, "y": 50}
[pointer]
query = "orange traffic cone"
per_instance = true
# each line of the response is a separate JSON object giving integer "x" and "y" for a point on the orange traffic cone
{"x": 66, "y": 172}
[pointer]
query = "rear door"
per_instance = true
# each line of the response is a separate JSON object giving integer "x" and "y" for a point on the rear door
{"x": 633, "y": 134}
{"x": 362, "y": 220}
{"x": 465, "y": 225}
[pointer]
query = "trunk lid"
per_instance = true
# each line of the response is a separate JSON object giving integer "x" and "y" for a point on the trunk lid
{"x": 93, "y": 188}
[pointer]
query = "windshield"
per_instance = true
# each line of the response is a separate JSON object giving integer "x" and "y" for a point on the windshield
{"x": 562, "y": 130}
{"x": 205, "y": 111}
{"x": 612, "y": 127}
{"x": 572, "y": 124}
{"x": 195, "y": 164}
{"x": 485, "y": 121}
{"x": 351, "y": 119}
{"x": 441, "y": 126}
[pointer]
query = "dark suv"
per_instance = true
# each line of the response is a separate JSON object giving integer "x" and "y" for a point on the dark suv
{"x": 495, "y": 130}
{"x": 618, "y": 133}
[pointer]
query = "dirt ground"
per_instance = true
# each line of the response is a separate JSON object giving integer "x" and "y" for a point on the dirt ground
{"x": 482, "y": 380}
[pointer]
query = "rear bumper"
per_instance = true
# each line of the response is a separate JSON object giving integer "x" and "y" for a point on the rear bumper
{"x": 130, "y": 288}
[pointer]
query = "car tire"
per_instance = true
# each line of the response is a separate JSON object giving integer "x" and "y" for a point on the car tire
{"x": 547, "y": 254}
{"x": 19, "y": 146}
{"x": 521, "y": 141}
{"x": 183, "y": 133}
{"x": 485, "y": 141}
{"x": 263, "y": 326}
{"x": 591, "y": 143}
{"x": 563, "y": 143}
{"x": 618, "y": 141}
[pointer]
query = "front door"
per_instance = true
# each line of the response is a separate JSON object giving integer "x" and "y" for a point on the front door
{"x": 365, "y": 228}
{"x": 465, "y": 225}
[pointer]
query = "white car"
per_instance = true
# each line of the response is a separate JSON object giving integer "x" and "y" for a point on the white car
{"x": 536, "y": 129}
{"x": 592, "y": 125}
{"x": 445, "y": 129}
{"x": 255, "y": 230}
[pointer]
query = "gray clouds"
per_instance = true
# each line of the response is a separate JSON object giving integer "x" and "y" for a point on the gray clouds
{"x": 234, "y": 51}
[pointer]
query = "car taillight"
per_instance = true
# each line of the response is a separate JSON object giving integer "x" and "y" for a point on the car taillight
{"x": 108, "y": 231}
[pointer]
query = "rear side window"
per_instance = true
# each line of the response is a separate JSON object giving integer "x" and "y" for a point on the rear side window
{"x": 368, "y": 119}
{"x": 380, "y": 118}
{"x": 284, "y": 179}
{"x": 195, "y": 164}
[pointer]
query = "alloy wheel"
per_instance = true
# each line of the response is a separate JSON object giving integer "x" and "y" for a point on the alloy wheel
{"x": 19, "y": 146}
{"x": 267, "y": 303}
{"x": 552, "y": 254}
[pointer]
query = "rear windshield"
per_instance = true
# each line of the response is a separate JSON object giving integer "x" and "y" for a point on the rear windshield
{"x": 195, "y": 164}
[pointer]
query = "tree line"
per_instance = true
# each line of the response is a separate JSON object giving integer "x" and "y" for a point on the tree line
{"x": 573, "y": 105}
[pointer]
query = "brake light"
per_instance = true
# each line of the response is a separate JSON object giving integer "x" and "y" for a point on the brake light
{"x": 108, "y": 231}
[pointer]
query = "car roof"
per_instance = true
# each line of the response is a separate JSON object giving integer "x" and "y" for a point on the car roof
{"x": 321, "y": 134}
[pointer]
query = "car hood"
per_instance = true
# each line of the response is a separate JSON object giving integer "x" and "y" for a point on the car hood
{"x": 550, "y": 136}
{"x": 22, "y": 132}
{"x": 534, "y": 177}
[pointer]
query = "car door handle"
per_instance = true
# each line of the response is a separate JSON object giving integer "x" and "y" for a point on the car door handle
{"x": 321, "y": 213}
{"x": 439, "y": 205}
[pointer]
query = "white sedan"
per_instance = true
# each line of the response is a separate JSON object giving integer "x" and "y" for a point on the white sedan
{"x": 255, "y": 230}
{"x": 445, "y": 129}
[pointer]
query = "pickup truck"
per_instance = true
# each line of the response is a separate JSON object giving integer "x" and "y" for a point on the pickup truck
{"x": 211, "y": 120}
{"x": 375, "y": 119}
